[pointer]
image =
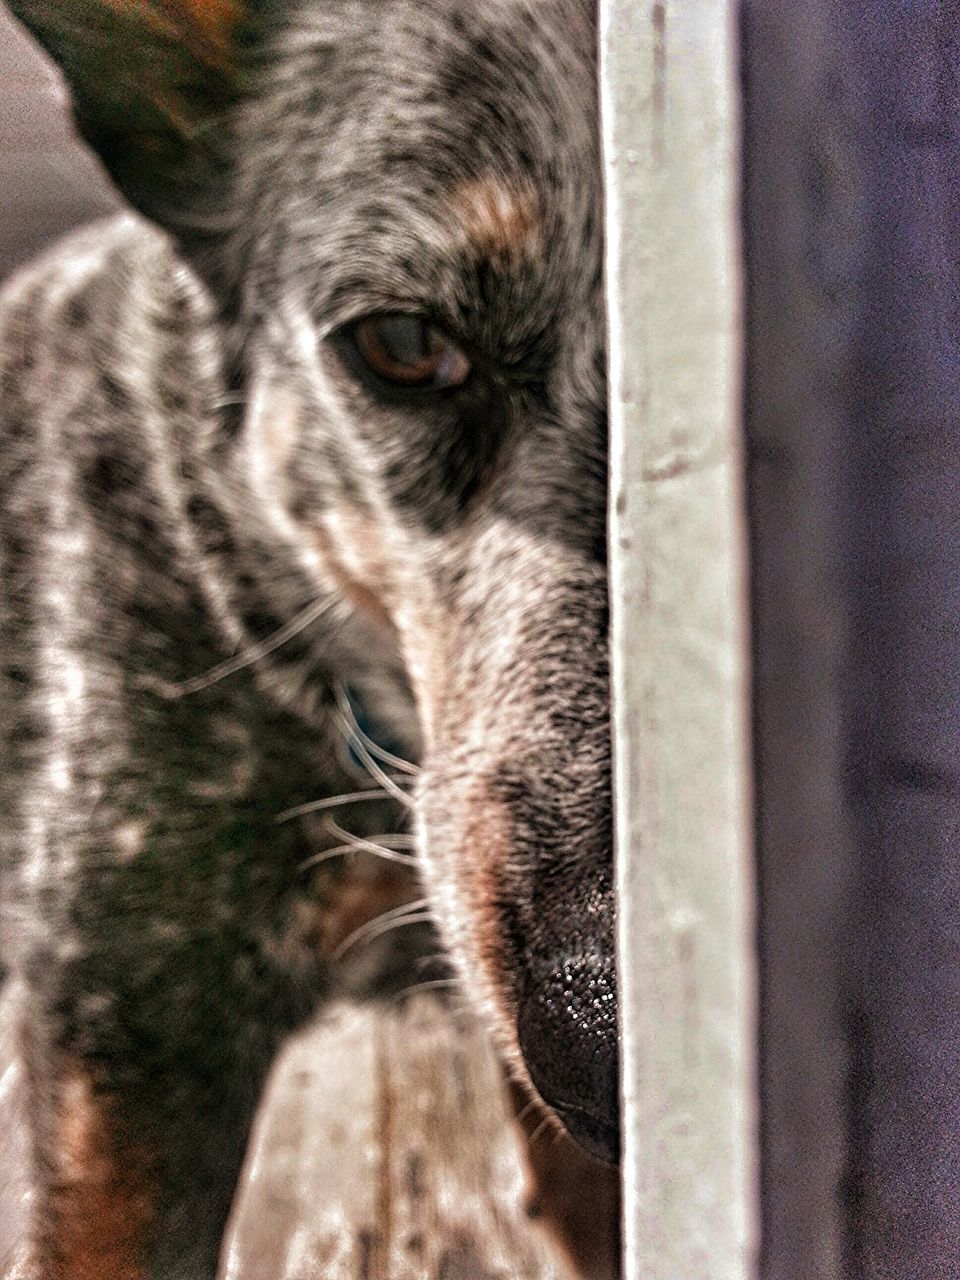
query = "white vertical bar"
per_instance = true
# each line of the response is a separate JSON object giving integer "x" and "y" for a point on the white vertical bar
{"x": 680, "y": 635}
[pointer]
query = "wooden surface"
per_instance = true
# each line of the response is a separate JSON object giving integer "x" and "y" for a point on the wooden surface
{"x": 384, "y": 1151}
{"x": 680, "y": 655}
{"x": 385, "y": 1154}
{"x": 14, "y": 1188}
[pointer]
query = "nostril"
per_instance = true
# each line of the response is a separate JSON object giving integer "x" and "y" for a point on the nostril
{"x": 567, "y": 1026}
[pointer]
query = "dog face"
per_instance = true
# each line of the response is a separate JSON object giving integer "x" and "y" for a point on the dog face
{"x": 398, "y": 206}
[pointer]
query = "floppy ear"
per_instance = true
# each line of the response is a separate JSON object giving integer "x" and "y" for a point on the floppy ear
{"x": 153, "y": 82}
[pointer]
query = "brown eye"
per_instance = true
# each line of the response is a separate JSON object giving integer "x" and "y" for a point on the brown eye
{"x": 409, "y": 352}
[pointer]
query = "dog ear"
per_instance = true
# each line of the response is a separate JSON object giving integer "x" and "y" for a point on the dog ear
{"x": 153, "y": 83}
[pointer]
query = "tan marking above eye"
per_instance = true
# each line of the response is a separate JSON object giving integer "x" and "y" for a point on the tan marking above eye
{"x": 499, "y": 219}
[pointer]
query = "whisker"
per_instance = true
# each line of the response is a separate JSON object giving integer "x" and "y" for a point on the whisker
{"x": 437, "y": 984}
{"x": 526, "y": 1109}
{"x": 378, "y": 774}
{"x": 387, "y": 757}
{"x": 331, "y": 802}
{"x": 407, "y": 913}
{"x": 347, "y": 759}
{"x": 546, "y": 1123}
{"x": 438, "y": 957}
{"x": 375, "y": 770}
{"x": 417, "y": 917}
{"x": 312, "y": 613}
{"x": 465, "y": 1011}
{"x": 390, "y": 839}
{"x": 364, "y": 739}
{"x": 402, "y": 839}
{"x": 415, "y": 904}
{"x": 363, "y": 846}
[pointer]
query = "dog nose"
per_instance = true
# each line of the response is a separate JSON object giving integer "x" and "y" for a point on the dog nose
{"x": 567, "y": 1026}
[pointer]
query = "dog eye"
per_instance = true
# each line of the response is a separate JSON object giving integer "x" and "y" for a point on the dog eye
{"x": 408, "y": 351}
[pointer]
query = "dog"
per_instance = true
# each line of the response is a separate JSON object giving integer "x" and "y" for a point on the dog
{"x": 313, "y": 437}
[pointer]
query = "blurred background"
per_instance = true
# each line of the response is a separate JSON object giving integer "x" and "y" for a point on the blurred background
{"x": 48, "y": 183}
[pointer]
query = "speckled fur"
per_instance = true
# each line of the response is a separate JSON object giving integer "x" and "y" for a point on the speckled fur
{"x": 188, "y": 463}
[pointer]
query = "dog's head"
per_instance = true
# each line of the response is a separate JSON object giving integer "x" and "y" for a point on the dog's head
{"x": 398, "y": 203}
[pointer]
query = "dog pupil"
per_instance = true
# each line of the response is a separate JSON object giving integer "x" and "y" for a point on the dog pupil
{"x": 408, "y": 340}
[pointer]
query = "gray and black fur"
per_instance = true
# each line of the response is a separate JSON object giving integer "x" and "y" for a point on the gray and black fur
{"x": 195, "y": 459}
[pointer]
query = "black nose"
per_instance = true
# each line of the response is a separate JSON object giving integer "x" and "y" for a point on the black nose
{"x": 568, "y": 1034}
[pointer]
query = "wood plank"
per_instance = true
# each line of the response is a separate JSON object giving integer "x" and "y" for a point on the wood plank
{"x": 385, "y": 1152}
{"x": 14, "y": 1183}
{"x": 680, "y": 627}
